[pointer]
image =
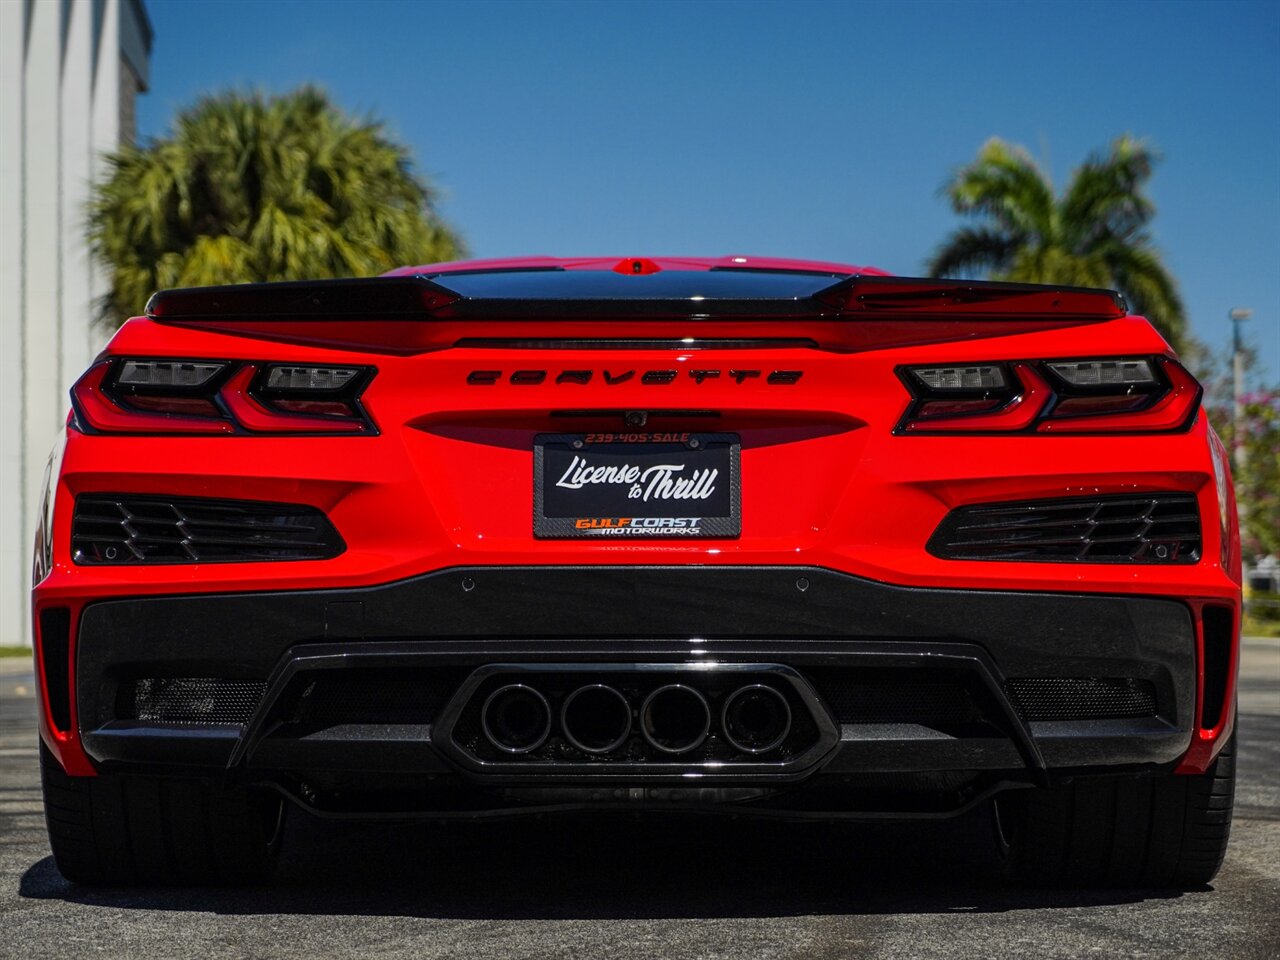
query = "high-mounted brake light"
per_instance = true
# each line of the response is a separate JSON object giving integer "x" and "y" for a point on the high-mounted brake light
{"x": 1103, "y": 395}
{"x": 972, "y": 298}
{"x": 136, "y": 395}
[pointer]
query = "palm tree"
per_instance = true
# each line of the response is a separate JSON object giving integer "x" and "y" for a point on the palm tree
{"x": 1095, "y": 234}
{"x": 247, "y": 188}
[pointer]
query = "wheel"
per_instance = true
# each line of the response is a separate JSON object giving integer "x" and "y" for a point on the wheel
{"x": 1157, "y": 831}
{"x": 119, "y": 829}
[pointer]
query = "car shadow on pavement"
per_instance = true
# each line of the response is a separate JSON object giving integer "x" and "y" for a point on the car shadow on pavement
{"x": 613, "y": 868}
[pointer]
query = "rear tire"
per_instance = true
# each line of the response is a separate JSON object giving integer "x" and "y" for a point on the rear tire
{"x": 1158, "y": 831}
{"x": 122, "y": 829}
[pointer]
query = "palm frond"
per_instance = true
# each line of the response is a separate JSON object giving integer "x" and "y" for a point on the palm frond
{"x": 971, "y": 251}
{"x": 1005, "y": 185}
{"x": 1105, "y": 198}
{"x": 1150, "y": 289}
{"x": 249, "y": 188}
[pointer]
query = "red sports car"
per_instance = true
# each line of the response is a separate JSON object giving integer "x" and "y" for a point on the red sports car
{"x": 754, "y": 536}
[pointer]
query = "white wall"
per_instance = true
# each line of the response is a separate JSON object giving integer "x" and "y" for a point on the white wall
{"x": 12, "y": 557}
{"x": 60, "y": 72}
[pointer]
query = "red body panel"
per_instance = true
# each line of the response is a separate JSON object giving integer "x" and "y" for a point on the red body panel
{"x": 448, "y": 479}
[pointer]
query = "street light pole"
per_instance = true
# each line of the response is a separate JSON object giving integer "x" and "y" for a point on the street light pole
{"x": 1237, "y": 315}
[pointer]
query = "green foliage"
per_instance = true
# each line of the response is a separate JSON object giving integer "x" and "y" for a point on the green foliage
{"x": 247, "y": 188}
{"x": 1093, "y": 235}
{"x": 1264, "y": 612}
{"x": 1257, "y": 480}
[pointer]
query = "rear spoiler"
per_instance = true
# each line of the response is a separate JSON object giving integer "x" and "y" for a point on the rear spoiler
{"x": 721, "y": 292}
{"x": 417, "y": 313}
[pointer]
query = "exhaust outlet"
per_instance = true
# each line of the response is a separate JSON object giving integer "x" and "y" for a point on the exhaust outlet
{"x": 596, "y": 718}
{"x": 756, "y": 718}
{"x": 516, "y": 718}
{"x": 675, "y": 718}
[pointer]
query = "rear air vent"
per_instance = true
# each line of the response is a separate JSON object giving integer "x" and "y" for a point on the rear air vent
{"x": 1082, "y": 698}
{"x": 1219, "y": 634}
{"x": 139, "y": 529}
{"x": 55, "y": 649}
{"x": 189, "y": 700}
{"x": 1148, "y": 528}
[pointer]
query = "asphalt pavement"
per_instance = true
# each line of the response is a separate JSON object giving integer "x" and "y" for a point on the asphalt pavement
{"x": 696, "y": 887}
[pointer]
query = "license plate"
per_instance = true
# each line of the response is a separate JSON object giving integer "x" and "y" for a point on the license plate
{"x": 636, "y": 485}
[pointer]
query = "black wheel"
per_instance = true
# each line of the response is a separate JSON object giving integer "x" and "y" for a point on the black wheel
{"x": 117, "y": 829}
{"x": 1157, "y": 831}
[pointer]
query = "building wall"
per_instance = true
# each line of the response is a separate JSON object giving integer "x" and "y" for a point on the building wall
{"x": 66, "y": 69}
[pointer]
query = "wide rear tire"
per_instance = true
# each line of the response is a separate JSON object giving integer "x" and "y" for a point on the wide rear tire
{"x": 123, "y": 829}
{"x": 1155, "y": 831}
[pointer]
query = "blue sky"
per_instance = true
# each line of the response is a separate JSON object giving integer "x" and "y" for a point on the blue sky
{"x": 818, "y": 130}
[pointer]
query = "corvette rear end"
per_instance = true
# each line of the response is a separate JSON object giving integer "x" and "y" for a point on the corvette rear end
{"x": 747, "y": 536}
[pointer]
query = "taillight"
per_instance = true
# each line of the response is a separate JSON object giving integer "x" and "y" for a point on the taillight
{"x": 324, "y": 403}
{"x": 1103, "y": 395}
{"x": 1146, "y": 395}
{"x": 145, "y": 395}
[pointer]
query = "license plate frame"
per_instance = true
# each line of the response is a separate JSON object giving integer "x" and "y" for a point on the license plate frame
{"x": 606, "y": 509}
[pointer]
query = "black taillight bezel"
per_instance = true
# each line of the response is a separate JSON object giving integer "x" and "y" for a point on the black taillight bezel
{"x": 123, "y": 394}
{"x": 1064, "y": 389}
{"x": 1059, "y": 389}
{"x": 215, "y": 391}
{"x": 921, "y": 393}
{"x": 349, "y": 393}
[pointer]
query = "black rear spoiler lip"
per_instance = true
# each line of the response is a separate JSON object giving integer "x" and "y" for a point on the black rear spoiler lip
{"x": 417, "y": 298}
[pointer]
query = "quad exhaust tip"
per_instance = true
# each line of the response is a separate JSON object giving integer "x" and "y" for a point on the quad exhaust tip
{"x": 596, "y": 718}
{"x": 755, "y": 718}
{"x": 675, "y": 719}
{"x": 516, "y": 718}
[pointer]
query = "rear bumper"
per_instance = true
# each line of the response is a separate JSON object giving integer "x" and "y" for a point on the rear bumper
{"x": 836, "y": 633}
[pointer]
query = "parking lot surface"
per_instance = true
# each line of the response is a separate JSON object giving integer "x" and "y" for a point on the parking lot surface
{"x": 695, "y": 887}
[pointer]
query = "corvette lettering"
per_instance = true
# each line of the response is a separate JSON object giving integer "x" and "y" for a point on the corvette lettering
{"x": 529, "y": 378}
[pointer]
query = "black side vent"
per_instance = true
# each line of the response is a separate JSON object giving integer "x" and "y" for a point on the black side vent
{"x": 1082, "y": 698}
{"x": 189, "y": 700}
{"x": 1147, "y": 528}
{"x": 55, "y": 649}
{"x": 1219, "y": 632}
{"x": 113, "y": 529}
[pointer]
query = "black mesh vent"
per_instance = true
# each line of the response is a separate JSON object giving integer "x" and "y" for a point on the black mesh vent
{"x": 189, "y": 700}
{"x": 1082, "y": 698}
{"x": 1149, "y": 528}
{"x": 139, "y": 529}
{"x": 933, "y": 698}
